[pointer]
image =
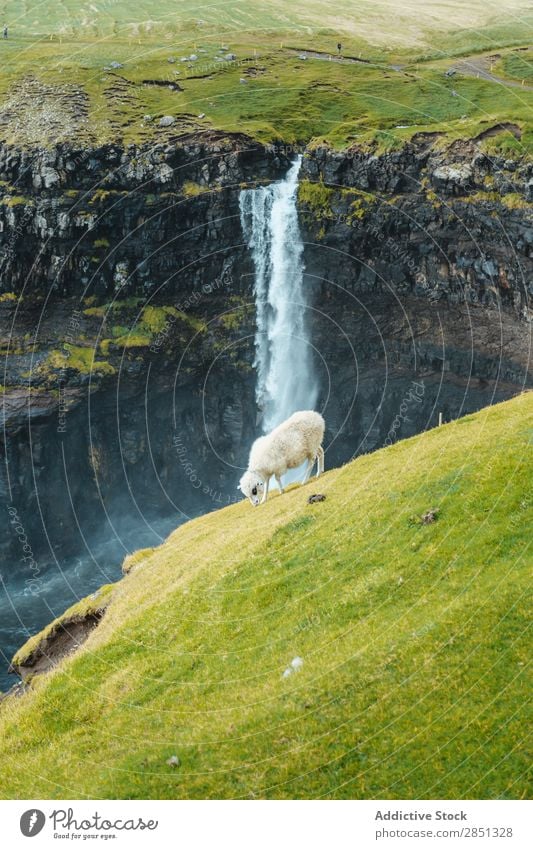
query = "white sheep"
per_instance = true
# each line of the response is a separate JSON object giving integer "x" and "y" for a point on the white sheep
{"x": 290, "y": 444}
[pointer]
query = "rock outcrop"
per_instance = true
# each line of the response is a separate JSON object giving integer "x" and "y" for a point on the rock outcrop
{"x": 62, "y": 637}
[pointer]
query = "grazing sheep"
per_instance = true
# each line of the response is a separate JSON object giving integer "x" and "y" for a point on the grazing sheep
{"x": 297, "y": 439}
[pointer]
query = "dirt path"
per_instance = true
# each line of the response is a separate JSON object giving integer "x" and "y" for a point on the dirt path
{"x": 343, "y": 60}
{"x": 480, "y": 67}
{"x": 331, "y": 57}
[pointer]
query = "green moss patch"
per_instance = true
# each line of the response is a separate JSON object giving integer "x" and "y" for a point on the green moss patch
{"x": 317, "y": 197}
{"x": 81, "y": 359}
{"x": 191, "y": 190}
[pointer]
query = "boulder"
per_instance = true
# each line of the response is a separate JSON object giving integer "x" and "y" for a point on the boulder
{"x": 452, "y": 177}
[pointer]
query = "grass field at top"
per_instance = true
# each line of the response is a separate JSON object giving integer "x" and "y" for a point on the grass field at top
{"x": 58, "y": 83}
{"x": 413, "y": 24}
{"x": 413, "y": 640}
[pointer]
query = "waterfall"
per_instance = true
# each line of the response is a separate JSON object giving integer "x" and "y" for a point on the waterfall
{"x": 283, "y": 354}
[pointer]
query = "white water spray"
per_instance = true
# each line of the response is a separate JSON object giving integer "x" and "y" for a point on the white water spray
{"x": 283, "y": 354}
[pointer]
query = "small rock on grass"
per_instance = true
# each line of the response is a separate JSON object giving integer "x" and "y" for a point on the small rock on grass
{"x": 314, "y": 498}
{"x": 296, "y": 664}
{"x": 173, "y": 761}
{"x": 429, "y": 517}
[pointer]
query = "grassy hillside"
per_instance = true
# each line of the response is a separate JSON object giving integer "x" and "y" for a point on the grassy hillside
{"x": 378, "y": 22}
{"x": 412, "y": 637}
{"x": 93, "y": 72}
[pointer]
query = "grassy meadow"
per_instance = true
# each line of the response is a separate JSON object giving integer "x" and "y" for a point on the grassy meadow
{"x": 58, "y": 80}
{"x": 413, "y": 641}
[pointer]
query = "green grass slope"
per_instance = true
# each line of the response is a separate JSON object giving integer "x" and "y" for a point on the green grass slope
{"x": 413, "y": 639}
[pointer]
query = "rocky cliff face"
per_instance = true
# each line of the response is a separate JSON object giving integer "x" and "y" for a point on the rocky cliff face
{"x": 107, "y": 221}
{"x": 128, "y": 320}
{"x": 422, "y": 261}
{"x": 450, "y": 225}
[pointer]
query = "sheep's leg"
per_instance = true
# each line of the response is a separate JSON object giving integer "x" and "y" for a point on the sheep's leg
{"x": 310, "y": 464}
{"x": 265, "y": 491}
{"x": 278, "y": 481}
{"x": 320, "y": 463}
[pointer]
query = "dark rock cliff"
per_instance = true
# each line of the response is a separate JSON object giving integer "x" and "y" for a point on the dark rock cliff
{"x": 103, "y": 221}
{"x": 422, "y": 263}
{"x": 452, "y": 225}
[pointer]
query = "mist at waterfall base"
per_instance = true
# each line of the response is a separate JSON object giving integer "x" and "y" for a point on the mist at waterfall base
{"x": 283, "y": 353}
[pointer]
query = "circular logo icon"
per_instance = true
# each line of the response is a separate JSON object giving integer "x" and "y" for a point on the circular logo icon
{"x": 32, "y": 822}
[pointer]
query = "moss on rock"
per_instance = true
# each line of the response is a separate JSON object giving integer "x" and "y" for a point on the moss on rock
{"x": 316, "y": 197}
{"x": 81, "y": 359}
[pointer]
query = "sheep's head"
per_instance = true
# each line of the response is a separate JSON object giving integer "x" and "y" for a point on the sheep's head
{"x": 252, "y": 486}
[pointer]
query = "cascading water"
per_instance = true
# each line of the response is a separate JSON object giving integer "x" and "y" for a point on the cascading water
{"x": 283, "y": 359}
